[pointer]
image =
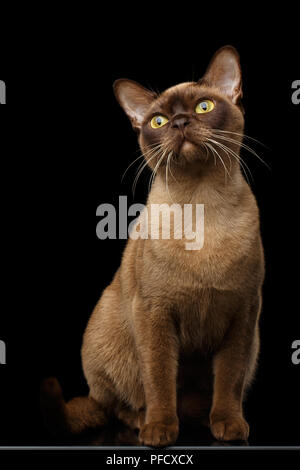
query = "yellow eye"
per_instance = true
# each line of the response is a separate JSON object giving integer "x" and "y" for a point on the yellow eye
{"x": 158, "y": 121}
{"x": 204, "y": 107}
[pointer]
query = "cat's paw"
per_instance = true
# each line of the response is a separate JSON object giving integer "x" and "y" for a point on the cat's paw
{"x": 229, "y": 428}
{"x": 157, "y": 434}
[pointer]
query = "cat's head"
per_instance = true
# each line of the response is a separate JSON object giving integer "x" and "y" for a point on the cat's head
{"x": 189, "y": 120}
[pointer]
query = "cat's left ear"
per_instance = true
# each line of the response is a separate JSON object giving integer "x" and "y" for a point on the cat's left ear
{"x": 224, "y": 72}
{"x": 134, "y": 99}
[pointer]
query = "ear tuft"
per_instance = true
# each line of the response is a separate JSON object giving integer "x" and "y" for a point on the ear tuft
{"x": 224, "y": 72}
{"x": 134, "y": 99}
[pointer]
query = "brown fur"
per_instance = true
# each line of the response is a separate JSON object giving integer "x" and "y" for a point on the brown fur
{"x": 176, "y": 332}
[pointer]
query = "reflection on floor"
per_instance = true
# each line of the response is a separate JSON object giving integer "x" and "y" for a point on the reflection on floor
{"x": 119, "y": 435}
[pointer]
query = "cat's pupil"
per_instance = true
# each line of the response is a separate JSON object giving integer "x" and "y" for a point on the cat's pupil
{"x": 204, "y": 106}
{"x": 159, "y": 120}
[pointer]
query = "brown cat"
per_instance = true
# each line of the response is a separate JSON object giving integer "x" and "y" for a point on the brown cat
{"x": 176, "y": 332}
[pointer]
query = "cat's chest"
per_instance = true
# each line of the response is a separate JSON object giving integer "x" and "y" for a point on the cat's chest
{"x": 203, "y": 262}
{"x": 203, "y": 318}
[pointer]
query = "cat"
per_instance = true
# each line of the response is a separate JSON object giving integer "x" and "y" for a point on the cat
{"x": 175, "y": 336}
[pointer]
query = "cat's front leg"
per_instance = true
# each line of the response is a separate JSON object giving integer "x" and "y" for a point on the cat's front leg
{"x": 232, "y": 364}
{"x": 157, "y": 346}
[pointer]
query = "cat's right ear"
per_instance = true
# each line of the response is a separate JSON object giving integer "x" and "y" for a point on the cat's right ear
{"x": 224, "y": 72}
{"x": 134, "y": 99}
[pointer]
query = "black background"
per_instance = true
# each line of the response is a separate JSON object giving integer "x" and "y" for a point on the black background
{"x": 65, "y": 145}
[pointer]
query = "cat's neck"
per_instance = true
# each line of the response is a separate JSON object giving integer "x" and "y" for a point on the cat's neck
{"x": 212, "y": 186}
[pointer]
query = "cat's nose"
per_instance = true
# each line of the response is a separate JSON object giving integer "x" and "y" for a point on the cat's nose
{"x": 180, "y": 123}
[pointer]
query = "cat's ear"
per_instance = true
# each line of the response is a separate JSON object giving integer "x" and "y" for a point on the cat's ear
{"x": 134, "y": 99}
{"x": 224, "y": 72}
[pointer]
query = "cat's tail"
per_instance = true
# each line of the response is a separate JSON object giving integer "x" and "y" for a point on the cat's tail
{"x": 74, "y": 417}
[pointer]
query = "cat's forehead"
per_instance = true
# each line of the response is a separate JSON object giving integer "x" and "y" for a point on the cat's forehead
{"x": 183, "y": 91}
{"x": 179, "y": 97}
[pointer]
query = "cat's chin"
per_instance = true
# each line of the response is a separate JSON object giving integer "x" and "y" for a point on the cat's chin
{"x": 191, "y": 152}
{"x": 187, "y": 147}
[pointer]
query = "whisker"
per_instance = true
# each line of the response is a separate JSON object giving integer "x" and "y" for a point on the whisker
{"x": 171, "y": 160}
{"x": 222, "y": 161}
{"x": 241, "y": 144}
{"x": 207, "y": 152}
{"x": 167, "y": 170}
{"x": 153, "y": 174}
{"x": 130, "y": 165}
{"x": 241, "y": 135}
{"x": 155, "y": 170}
{"x": 144, "y": 165}
{"x": 148, "y": 153}
{"x": 238, "y": 158}
{"x": 223, "y": 148}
